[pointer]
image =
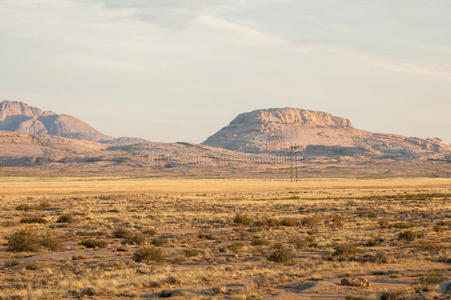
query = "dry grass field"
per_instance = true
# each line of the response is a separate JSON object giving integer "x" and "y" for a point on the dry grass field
{"x": 130, "y": 238}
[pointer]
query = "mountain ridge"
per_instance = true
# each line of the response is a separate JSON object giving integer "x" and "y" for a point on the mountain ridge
{"x": 20, "y": 117}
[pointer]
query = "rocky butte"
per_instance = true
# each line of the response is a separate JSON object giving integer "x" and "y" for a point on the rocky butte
{"x": 317, "y": 133}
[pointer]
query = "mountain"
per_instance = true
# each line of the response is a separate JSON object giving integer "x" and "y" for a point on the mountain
{"x": 20, "y": 117}
{"x": 316, "y": 133}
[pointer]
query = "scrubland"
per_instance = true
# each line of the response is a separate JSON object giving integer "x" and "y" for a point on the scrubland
{"x": 134, "y": 238}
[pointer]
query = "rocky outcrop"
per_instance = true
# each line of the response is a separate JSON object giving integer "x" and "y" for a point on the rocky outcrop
{"x": 22, "y": 118}
{"x": 318, "y": 133}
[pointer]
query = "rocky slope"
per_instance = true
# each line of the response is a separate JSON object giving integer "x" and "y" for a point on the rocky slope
{"x": 20, "y": 117}
{"x": 319, "y": 134}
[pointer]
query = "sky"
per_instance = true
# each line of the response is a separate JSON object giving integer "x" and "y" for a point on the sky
{"x": 179, "y": 70}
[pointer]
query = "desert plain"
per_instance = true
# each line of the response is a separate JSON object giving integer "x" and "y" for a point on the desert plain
{"x": 144, "y": 238}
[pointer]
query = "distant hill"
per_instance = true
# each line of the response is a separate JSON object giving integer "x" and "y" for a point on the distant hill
{"x": 318, "y": 134}
{"x": 255, "y": 144}
{"x": 20, "y": 117}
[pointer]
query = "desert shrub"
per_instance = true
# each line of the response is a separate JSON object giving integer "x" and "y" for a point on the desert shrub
{"x": 270, "y": 222}
{"x": 11, "y": 263}
{"x": 260, "y": 242}
{"x": 312, "y": 241}
{"x": 430, "y": 246}
{"x": 242, "y": 219}
{"x": 402, "y": 225}
{"x": 437, "y": 228}
{"x": 383, "y": 224}
{"x": 374, "y": 241}
{"x": 24, "y": 207}
{"x": 299, "y": 243}
{"x": 407, "y": 235}
{"x": 206, "y": 235}
{"x": 159, "y": 241}
{"x": 32, "y": 266}
{"x": 345, "y": 251}
{"x": 235, "y": 246}
{"x": 50, "y": 241}
{"x": 150, "y": 231}
{"x": 191, "y": 252}
{"x": 395, "y": 295}
{"x": 337, "y": 222}
{"x": 372, "y": 215}
{"x": 23, "y": 240}
{"x": 289, "y": 222}
{"x": 65, "y": 219}
{"x": 135, "y": 239}
{"x": 378, "y": 258}
{"x": 41, "y": 206}
{"x": 33, "y": 220}
{"x": 311, "y": 221}
{"x": 432, "y": 277}
{"x": 282, "y": 255}
{"x": 93, "y": 244}
{"x": 121, "y": 233}
{"x": 148, "y": 254}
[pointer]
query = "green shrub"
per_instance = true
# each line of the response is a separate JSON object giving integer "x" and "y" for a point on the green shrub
{"x": 282, "y": 255}
{"x": 93, "y": 244}
{"x": 148, "y": 254}
{"x": 242, "y": 219}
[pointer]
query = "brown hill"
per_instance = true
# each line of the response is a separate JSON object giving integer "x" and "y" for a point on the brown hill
{"x": 20, "y": 117}
{"x": 318, "y": 134}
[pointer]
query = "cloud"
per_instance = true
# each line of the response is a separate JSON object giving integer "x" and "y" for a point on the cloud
{"x": 254, "y": 36}
{"x": 246, "y": 33}
{"x": 167, "y": 13}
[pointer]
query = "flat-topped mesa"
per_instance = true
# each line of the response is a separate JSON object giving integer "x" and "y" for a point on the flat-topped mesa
{"x": 292, "y": 116}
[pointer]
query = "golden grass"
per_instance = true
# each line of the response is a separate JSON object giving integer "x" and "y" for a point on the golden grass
{"x": 231, "y": 260}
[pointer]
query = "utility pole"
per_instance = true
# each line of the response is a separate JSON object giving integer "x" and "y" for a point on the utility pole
{"x": 296, "y": 164}
{"x": 291, "y": 163}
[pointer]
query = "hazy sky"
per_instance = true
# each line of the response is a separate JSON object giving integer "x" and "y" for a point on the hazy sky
{"x": 179, "y": 70}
